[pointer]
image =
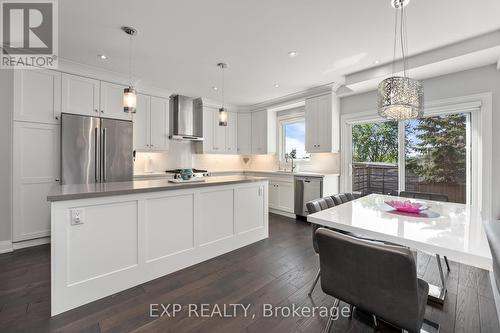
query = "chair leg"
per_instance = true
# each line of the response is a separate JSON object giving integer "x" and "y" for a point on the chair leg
{"x": 314, "y": 282}
{"x": 331, "y": 318}
{"x": 375, "y": 322}
{"x": 447, "y": 264}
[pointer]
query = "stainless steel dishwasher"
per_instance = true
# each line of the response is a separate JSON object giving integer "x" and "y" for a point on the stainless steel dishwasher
{"x": 306, "y": 189}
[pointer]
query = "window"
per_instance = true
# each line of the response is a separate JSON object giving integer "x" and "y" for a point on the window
{"x": 375, "y": 157}
{"x": 433, "y": 151}
{"x": 293, "y": 137}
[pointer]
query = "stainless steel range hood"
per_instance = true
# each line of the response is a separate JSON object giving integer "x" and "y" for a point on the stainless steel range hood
{"x": 186, "y": 118}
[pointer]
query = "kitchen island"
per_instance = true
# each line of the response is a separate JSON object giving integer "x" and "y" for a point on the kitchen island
{"x": 109, "y": 237}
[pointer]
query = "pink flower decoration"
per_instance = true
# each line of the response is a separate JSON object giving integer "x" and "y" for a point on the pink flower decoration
{"x": 406, "y": 206}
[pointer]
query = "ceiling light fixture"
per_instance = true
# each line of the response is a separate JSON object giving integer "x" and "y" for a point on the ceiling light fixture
{"x": 215, "y": 88}
{"x": 276, "y": 85}
{"x": 129, "y": 94}
{"x": 102, "y": 56}
{"x": 376, "y": 62}
{"x": 222, "y": 110}
{"x": 292, "y": 54}
{"x": 400, "y": 97}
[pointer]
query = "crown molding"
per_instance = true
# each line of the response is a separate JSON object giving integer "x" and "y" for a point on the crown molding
{"x": 294, "y": 98}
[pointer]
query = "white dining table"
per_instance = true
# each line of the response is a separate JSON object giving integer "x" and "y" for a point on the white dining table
{"x": 443, "y": 229}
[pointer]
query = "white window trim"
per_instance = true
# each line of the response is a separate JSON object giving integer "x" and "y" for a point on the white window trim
{"x": 287, "y": 119}
{"x": 480, "y": 107}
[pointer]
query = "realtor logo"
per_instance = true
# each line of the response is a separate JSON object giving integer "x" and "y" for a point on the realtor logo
{"x": 29, "y": 34}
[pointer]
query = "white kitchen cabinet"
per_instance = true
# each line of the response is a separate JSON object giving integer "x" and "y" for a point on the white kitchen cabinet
{"x": 111, "y": 101}
{"x": 263, "y": 132}
{"x": 37, "y": 95}
{"x": 281, "y": 195}
{"x": 232, "y": 133}
{"x": 35, "y": 170}
{"x": 244, "y": 141}
{"x": 141, "y": 121}
{"x": 151, "y": 124}
{"x": 286, "y": 196}
{"x": 159, "y": 123}
{"x": 219, "y": 139}
{"x": 322, "y": 124}
{"x": 218, "y": 133}
{"x": 80, "y": 95}
{"x": 273, "y": 194}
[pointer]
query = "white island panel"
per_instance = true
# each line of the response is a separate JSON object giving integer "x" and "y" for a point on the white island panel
{"x": 125, "y": 240}
{"x": 163, "y": 215}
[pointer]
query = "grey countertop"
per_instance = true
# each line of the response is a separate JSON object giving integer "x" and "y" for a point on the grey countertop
{"x": 83, "y": 191}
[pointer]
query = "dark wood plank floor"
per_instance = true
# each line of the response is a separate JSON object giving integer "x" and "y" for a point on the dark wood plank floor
{"x": 277, "y": 270}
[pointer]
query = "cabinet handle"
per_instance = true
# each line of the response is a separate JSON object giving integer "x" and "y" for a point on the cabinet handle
{"x": 57, "y": 117}
{"x": 57, "y": 179}
{"x": 96, "y": 111}
{"x": 102, "y": 111}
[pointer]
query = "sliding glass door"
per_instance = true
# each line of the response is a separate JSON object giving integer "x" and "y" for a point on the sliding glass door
{"x": 375, "y": 157}
{"x": 428, "y": 155}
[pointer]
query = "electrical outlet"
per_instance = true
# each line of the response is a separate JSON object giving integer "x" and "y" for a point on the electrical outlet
{"x": 77, "y": 216}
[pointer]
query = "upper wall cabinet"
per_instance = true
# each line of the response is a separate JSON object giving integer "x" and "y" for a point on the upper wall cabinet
{"x": 244, "y": 133}
{"x": 151, "y": 126}
{"x": 232, "y": 133}
{"x": 322, "y": 124}
{"x": 37, "y": 95}
{"x": 219, "y": 139}
{"x": 111, "y": 101}
{"x": 263, "y": 132}
{"x": 80, "y": 95}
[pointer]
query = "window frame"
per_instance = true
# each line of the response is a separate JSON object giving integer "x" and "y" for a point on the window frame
{"x": 479, "y": 174}
{"x": 282, "y": 122}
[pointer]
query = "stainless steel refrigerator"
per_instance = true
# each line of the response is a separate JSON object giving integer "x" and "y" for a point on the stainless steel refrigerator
{"x": 95, "y": 150}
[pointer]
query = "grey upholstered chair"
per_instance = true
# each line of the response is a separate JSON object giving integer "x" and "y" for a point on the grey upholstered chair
{"x": 377, "y": 278}
{"x": 317, "y": 205}
{"x": 425, "y": 195}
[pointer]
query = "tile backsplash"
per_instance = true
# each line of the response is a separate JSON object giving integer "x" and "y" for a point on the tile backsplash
{"x": 182, "y": 154}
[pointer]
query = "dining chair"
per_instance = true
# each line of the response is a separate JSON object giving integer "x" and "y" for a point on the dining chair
{"x": 376, "y": 278}
{"x": 424, "y": 195}
{"x": 317, "y": 205}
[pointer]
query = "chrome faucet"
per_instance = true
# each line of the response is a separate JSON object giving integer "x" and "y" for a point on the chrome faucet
{"x": 287, "y": 157}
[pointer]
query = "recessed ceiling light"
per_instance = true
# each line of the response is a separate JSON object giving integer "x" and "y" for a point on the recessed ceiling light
{"x": 292, "y": 54}
{"x": 215, "y": 88}
{"x": 376, "y": 62}
{"x": 276, "y": 85}
{"x": 102, "y": 56}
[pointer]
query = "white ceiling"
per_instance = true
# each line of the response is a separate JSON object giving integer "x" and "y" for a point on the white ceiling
{"x": 180, "y": 42}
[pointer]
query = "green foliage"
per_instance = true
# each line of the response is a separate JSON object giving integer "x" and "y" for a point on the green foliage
{"x": 439, "y": 154}
{"x": 375, "y": 142}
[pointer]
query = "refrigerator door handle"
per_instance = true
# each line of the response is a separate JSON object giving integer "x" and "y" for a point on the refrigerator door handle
{"x": 104, "y": 154}
{"x": 96, "y": 154}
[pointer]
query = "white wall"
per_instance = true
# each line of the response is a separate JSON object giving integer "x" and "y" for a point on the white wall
{"x": 474, "y": 81}
{"x": 6, "y": 98}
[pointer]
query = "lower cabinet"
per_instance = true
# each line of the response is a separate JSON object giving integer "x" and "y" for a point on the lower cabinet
{"x": 35, "y": 171}
{"x": 281, "y": 196}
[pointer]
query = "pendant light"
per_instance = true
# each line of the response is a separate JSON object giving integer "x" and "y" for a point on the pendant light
{"x": 222, "y": 110}
{"x": 129, "y": 95}
{"x": 400, "y": 97}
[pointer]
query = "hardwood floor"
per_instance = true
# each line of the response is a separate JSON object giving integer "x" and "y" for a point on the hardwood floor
{"x": 278, "y": 271}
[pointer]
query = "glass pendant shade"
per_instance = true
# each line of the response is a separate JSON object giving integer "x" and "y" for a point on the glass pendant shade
{"x": 400, "y": 98}
{"x": 129, "y": 100}
{"x": 222, "y": 117}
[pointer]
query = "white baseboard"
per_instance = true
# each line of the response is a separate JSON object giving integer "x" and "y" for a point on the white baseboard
{"x": 496, "y": 294}
{"x": 6, "y": 246}
{"x": 31, "y": 242}
{"x": 282, "y": 213}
